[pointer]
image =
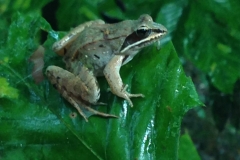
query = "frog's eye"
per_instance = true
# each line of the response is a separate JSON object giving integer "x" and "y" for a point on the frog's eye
{"x": 143, "y": 32}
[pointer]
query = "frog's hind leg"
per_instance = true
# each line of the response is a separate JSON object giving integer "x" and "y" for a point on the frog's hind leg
{"x": 79, "y": 92}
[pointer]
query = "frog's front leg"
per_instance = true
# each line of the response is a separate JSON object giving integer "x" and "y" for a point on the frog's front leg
{"x": 111, "y": 72}
{"x": 81, "y": 91}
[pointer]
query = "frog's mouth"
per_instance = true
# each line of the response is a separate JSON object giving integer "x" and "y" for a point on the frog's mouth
{"x": 140, "y": 39}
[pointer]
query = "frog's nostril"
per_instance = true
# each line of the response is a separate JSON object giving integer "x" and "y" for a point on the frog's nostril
{"x": 96, "y": 56}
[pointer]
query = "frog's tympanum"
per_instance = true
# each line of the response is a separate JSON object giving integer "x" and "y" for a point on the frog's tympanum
{"x": 97, "y": 49}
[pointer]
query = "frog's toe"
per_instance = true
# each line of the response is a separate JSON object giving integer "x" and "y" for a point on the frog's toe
{"x": 136, "y": 95}
{"x": 75, "y": 105}
{"x": 127, "y": 95}
{"x": 131, "y": 95}
{"x": 100, "y": 113}
{"x": 100, "y": 103}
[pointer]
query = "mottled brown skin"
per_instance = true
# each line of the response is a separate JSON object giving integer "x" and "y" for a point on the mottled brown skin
{"x": 98, "y": 49}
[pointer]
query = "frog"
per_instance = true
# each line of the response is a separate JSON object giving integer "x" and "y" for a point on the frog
{"x": 95, "y": 49}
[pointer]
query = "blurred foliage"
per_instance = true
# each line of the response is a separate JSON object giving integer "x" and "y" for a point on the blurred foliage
{"x": 187, "y": 149}
{"x": 211, "y": 40}
{"x": 6, "y": 90}
{"x": 206, "y": 37}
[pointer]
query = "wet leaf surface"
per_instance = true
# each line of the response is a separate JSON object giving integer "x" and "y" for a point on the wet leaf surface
{"x": 39, "y": 123}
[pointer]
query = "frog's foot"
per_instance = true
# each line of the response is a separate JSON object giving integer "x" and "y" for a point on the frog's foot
{"x": 78, "y": 105}
{"x": 124, "y": 94}
{"x": 95, "y": 112}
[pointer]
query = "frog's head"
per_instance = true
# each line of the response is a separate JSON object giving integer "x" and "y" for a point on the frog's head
{"x": 145, "y": 33}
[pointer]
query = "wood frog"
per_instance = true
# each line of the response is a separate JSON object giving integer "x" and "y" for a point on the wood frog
{"x": 97, "y": 49}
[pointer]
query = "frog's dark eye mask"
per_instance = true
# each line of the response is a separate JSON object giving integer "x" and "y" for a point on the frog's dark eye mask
{"x": 141, "y": 38}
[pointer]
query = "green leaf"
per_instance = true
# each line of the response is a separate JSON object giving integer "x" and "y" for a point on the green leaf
{"x": 149, "y": 130}
{"x": 41, "y": 125}
{"x": 81, "y": 11}
{"x": 8, "y": 7}
{"x": 187, "y": 149}
{"x": 29, "y": 130}
{"x": 211, "y": 43}
{"x": 6, "y": 90}
{"x": 23, "y": 32}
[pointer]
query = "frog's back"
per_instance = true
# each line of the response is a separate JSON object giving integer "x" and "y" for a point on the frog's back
{"x": 96, "y": 45}
{"x": 90, "y": 49}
